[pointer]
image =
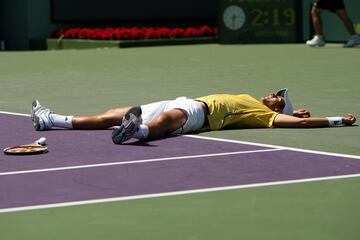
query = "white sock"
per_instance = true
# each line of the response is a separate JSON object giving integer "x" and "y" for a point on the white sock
{"x": 142, "y": 133}
{"x": 61, "y": 121}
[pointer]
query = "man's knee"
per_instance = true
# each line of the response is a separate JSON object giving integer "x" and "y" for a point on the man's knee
{"x": 341, "y": 13}
{"x": 169, "y": 121}
{"x": 315, "y": 12}
{"x": 166, "y": 123}
{"x": 165, "y": 118}
{"x": 174, "y": 118}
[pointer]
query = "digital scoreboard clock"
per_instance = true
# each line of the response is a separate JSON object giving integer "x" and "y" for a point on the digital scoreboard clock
{"x": 260, "y": 21}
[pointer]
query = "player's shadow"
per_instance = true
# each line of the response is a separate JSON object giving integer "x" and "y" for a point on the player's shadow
{"x": 147, "y": 143}
{"x": 139, "y": 144}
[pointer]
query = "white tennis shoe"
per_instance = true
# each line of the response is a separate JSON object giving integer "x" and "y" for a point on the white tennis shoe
{"x": 353, "y": 41}
{"x": 41, "y": 116}
{"x": 129, "y": 126}
{"x": 316, "y": 41}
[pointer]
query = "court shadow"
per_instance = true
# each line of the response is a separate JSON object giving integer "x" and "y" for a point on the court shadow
{"x": 148, "y": 143}
{"x": 140, "y": 144}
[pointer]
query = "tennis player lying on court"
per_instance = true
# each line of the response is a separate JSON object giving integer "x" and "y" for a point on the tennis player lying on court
{"x": 184, "y": 115}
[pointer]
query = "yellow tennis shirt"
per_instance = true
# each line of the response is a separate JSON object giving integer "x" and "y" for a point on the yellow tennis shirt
{"x": 228, "y": 111}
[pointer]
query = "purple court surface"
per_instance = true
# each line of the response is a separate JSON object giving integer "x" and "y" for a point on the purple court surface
{"x": 86, "y": 165}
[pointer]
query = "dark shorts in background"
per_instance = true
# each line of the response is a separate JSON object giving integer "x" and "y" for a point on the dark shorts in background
{"x": 330, "y": 5}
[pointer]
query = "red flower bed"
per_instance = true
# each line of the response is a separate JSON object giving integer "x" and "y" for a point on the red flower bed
{"x": 136, "y": 33}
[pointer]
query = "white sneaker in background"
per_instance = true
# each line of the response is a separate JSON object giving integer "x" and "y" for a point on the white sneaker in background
{"x": 352, "y": 42}
{"x": 316, "y": 41}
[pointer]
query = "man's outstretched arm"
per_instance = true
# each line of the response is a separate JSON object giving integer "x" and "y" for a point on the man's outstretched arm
{"x": 286, "y": 121}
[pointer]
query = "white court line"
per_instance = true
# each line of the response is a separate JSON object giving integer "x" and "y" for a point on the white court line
{"x": 16, "y": 114}
{"x": 134, "y": 162}
{"x": 156, "y": 195}
{"x": 274, "y": 146}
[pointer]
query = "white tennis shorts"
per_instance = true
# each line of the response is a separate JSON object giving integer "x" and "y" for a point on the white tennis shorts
{"x": 193, "y": 109}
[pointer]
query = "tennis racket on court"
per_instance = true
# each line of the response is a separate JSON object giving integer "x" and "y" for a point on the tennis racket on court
{"x": 36, "y": 147}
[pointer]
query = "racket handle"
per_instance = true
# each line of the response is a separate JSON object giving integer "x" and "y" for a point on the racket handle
{"x": 41, "y": 141}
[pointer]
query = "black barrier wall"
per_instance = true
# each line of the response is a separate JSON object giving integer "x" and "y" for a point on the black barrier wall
{"x": 124, "y": 10}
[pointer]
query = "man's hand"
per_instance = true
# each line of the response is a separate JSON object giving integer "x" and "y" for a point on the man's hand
{"x": 348, "y": 120}
{"x": 301, "y": 113}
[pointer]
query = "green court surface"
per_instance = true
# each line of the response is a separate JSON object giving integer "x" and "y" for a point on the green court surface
{"x": 322, "y": 80}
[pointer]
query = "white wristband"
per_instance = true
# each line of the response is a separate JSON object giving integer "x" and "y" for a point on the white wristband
{"x": 334, "y": 121}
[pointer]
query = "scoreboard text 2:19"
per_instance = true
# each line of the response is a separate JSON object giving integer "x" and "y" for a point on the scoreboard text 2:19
{"x": 259, "y": 21}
